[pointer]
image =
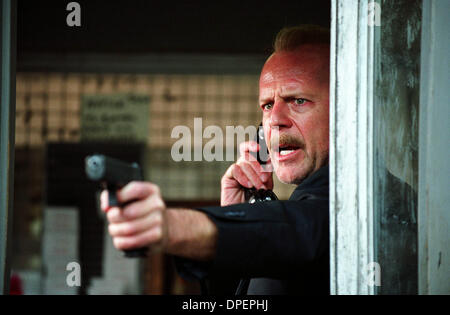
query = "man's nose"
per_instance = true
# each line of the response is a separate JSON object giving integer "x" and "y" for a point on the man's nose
{"x": 279, "y": 116}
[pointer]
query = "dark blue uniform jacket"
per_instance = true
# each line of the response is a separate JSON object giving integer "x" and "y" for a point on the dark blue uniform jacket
{"x": 283, "y": 246}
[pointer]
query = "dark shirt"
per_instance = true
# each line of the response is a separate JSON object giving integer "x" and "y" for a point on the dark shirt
{"x": 284, "y": 242}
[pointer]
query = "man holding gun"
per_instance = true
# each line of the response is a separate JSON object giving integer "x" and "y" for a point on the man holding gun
{"x": 282, "y": 245}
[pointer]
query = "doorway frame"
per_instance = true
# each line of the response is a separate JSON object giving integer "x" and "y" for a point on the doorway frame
{"x": 351, "y": 148}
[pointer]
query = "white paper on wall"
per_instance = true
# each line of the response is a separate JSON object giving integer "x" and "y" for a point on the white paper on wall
{"x": 59, "y": 248}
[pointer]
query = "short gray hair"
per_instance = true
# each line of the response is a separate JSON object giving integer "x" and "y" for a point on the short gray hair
{"x": 289, "y": 38}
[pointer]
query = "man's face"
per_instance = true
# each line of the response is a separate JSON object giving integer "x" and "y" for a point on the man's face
{"x": 294, "y": 97}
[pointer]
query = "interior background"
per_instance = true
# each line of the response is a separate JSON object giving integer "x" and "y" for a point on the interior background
{"x": 193, "y": 59}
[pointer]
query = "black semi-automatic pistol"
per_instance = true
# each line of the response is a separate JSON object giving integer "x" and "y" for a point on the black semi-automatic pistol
{"x": 113, "y": 174}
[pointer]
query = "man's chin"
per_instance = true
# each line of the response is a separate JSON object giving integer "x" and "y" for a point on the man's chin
{"x": 290, "y": 176}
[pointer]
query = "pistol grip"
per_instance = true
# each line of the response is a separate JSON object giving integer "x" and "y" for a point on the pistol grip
{"x": 136, "y": 253}
{"x": 112, "y": 197}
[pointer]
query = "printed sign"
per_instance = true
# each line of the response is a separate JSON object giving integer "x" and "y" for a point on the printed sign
{"x": 118, "y": 117}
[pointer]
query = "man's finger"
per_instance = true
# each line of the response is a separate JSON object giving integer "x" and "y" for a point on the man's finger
{"x": 251, "y": 160}
{"x": 142, "y": 207}
{"x": 135, "y": 209}
{"x": 249, "y": 146}
{"x": 237, "y": 174}
{"x": 136, "y": 190}
{"x": 104, "y": 204}
{"x": 115, "y": 215}
{"x": 148, "y": 237}
{"x": 134, "y": 227}
{"x": 252, "y": 176}
{"x": 264, "y": 172}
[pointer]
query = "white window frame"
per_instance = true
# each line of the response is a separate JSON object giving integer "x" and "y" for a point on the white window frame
{"x": 351, "y": 148}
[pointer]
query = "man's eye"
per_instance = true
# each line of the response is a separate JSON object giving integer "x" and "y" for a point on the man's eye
{"x": 300, "y": 101}
{"x": 267, "y": 106}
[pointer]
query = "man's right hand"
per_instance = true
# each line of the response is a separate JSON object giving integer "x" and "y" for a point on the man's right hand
{"x": 245, "y": 173}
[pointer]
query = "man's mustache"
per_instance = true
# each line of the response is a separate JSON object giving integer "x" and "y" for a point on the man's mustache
{"x": 285, "y": 140}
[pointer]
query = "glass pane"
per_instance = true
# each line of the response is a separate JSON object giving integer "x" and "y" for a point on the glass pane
{"x": 396, "y": 108}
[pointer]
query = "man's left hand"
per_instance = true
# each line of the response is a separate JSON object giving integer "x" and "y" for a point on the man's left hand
{"x": 141, "y": 222}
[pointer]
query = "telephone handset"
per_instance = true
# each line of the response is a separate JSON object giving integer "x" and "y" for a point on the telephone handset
{"x": 253, "y": 195}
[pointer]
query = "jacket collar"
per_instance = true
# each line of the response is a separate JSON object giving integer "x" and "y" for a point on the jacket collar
{"x": 317, "y": 180}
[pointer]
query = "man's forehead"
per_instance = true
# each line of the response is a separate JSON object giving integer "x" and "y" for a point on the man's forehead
{"x": 295, "y": 62}
{"x": 282, "y": 87}
{"x": 277, "y": 74}
{"x": 296, "y": 67}
{"x": 285, "y": 78}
